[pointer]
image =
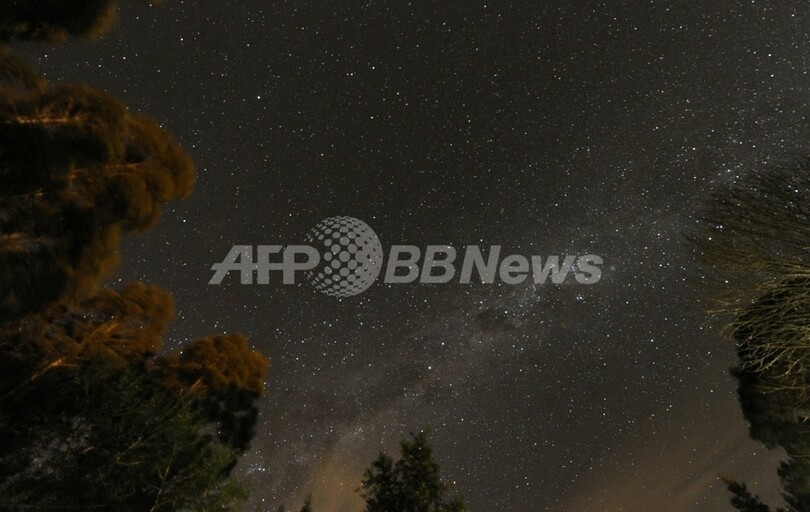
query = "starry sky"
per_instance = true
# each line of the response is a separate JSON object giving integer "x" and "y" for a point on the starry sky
{"x": 547, "y": 127}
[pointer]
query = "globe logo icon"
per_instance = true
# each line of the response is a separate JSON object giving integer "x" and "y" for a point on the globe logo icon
{"x": 351, "y": 256}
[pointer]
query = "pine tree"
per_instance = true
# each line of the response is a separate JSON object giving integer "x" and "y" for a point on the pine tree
{"x": 743, "y": 500}
{"x": 411, "y": 484}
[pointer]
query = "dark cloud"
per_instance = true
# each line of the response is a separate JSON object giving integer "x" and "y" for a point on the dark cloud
{"x": 493, "y": 320}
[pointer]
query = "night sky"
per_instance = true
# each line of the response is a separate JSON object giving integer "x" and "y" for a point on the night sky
{"x": 547, "y": 127}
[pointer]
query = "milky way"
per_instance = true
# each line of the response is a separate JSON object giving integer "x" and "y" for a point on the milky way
{"x": 543, "y": 127}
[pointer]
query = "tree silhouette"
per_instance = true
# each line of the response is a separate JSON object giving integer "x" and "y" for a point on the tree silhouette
{"x": 411, "y": 484}
{"x": 89, "y": 436}
{"x": 754, "y": 240}
{"x": 83, "y": 397}
{"x": 743, "y": 500}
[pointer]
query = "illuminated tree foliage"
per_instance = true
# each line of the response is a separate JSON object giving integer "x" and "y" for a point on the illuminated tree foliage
{"x": 760, "y": 225}
{"x": 77, "y": 169}
{"x": 754, "y": 240}
{"x": 773, "y": 333}
{"x": 91, "y": 417}
{"x": 224, "y": 376}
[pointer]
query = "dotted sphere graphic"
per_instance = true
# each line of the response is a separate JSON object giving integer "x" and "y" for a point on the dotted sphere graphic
{"x": 351, "y": 256}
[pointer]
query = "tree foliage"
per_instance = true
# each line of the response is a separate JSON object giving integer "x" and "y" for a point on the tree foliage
{"x": 772, "y": 333}
{"x": 743, "y": 500}
{"x": 411, "y": 484}
{"x": 90, "y": 436}
{"x": 225, "y": 376}
{"x": 95, "y": 414}
{"x": 754, "y": 240}
{"x": 77, "y": 169}
{"x": 91, "y": 418}
{"x": 759, "y": 226}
